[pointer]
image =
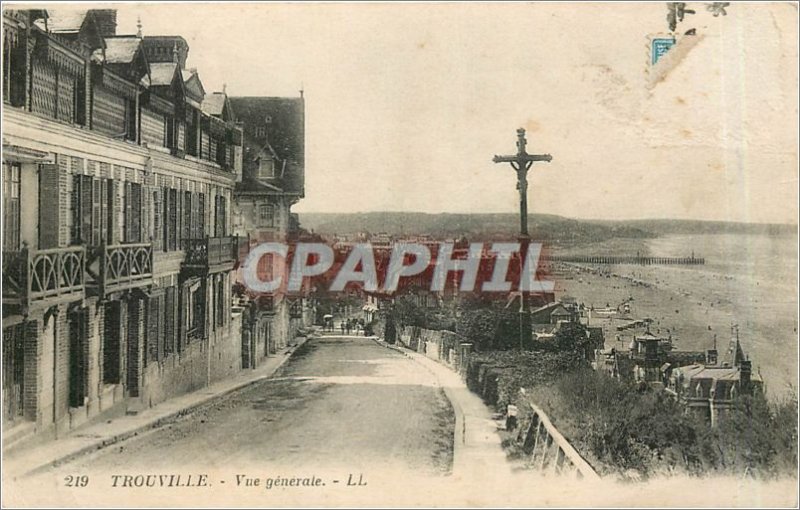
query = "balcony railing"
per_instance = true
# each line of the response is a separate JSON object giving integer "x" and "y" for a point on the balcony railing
{"x": 211, "y": 253}
{"x": 51, "y": 275}
{"x": 122, "y": 266}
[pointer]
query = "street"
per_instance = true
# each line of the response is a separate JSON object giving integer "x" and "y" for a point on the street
{"x": 340, "y": 403}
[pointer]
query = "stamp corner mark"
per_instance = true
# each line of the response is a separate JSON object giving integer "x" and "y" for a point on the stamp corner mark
{"x": 664, "y": 52}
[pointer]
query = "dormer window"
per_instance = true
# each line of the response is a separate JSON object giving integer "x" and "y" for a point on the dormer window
{"x": 268, "y": 119}
{"x": 266, "y": 168}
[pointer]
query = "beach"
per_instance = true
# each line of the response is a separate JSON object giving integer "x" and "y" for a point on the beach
{"x": 748, "y": 280}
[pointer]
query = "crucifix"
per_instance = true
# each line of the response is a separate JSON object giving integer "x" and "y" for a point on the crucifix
{"x": 522, "y": 162}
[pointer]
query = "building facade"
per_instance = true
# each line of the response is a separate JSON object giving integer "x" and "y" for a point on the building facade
{"x": 118, "y": 263}
{"x": 273, "y": 180}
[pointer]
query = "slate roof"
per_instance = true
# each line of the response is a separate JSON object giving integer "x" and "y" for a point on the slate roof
{"x": 194, "y": 87}
{"x": 66, "y": 21}
{"x": 213, "y": 104}
{"x": 252, "y": 185}
{"x": 121, "y": 50}
{"x": 161, "y": 73}
{"x": 285, "y": 132}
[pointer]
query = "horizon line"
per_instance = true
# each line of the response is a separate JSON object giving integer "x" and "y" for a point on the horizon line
{"x": 741, "y": 222}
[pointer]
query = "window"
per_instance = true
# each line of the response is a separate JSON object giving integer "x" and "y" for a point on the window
{"x": 80, "y": 102}
{"x": 188, "y": 209}
{"x": 266, "y": 215}
{"x": 170, "y": 133}
{"x": 220, "y": 301}
{"x": 170, "y": 219}
{"x": 264, "y": 268}
{"x": 11, "y": 217}
{"x": 266, "y": 168}
{"x": 130, "y": 120}
{"x": 195, "y": 310}
{"x": 156, "y": 214}
{"x": 170, "y": 321}
{"x": 261, "y": 132}
{"x": 221, "y": 216}
{"x": 133, "y": 212}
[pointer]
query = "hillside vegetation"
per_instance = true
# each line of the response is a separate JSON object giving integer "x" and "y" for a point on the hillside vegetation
{"x": 505, "y": 225}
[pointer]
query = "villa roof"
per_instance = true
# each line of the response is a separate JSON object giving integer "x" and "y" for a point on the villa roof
{"x": 66, "y": 21}
{"x": 121, "y": 50}
{"x": 162, "y": 73}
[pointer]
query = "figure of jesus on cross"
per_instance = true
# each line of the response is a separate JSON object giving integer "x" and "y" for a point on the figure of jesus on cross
{"x": 522, "y": 162}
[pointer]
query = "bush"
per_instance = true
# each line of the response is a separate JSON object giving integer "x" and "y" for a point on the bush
{"x": 497, "y": 376}
{"x": 619, "y": 428}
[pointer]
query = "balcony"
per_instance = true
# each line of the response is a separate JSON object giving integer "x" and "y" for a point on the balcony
{"x": 114, "y": 268}
{"x": 43, "y": 277}
{"x": 210, "y": 254}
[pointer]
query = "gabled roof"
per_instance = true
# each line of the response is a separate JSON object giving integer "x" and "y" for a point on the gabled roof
{"x": 66, "y": 21}
{"x": 122, "y": 50}
{"x": 560, "y": 310}
{"x": 162, "y": 73}
{"x": 219, "y": 105}
{"x": 194, "y": 87}
{"x": 214, "y": 104}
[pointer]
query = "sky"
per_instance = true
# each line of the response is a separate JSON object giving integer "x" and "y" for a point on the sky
{"x": 407, "y": 104}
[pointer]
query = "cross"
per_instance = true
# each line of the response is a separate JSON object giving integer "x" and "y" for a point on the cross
{"x": 522, "y": 162}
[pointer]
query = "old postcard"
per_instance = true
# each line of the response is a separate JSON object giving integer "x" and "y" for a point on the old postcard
{"x": 400, "y": 255}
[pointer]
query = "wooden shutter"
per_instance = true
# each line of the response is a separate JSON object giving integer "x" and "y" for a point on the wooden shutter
{"x": 216, "y": 215}
{"x": 111, "y": 206}
{"x": 136, "y": 213}
{"x": 201, "y": 215}
{"x": 128, "y": 206}
{"x": 172, "y": 214}
{"x": 153, "y": 321}
{"x": 161, "y": 325}
{"x": 102, "y": 204}
{"x": 222, "y": 215}
{"x": 187, "y": 215}
{"x": 195, "y": 216}
{"x": 170, "y": 322}
{"x": 165, "y": 216}
{"x": 18, "y": 64}
{"x": 96, "y": 211}
{"x": 157, "y": 235}
{"x": 11, "y": 210}
{"x": 49, "y": 220}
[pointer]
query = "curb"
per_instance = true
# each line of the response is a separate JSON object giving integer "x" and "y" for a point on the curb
{"x": 158, "y": 422}
{"x": 460, "y": 426}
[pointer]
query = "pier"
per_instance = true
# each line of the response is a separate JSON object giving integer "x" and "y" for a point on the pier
{"x": 636, "y": 259}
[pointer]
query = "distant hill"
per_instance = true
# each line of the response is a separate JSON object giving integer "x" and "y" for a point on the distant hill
{"x": 503, "y": 225}
{"x": 664, "y": 227}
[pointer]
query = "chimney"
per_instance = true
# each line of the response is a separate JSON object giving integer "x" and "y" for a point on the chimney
{"x": 106, "y": 21}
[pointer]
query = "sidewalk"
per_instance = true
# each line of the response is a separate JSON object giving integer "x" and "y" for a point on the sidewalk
{"x": 95, "y": 436}
{"x": 477, "y": 448}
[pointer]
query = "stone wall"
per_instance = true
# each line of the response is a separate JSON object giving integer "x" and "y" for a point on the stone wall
{"x": 439, "y": 345}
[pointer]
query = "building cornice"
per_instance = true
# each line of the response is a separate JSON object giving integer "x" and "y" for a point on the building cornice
{"x": 33, "y": 132}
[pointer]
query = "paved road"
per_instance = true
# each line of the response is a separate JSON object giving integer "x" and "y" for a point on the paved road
{"x": 340, "y": 403}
